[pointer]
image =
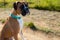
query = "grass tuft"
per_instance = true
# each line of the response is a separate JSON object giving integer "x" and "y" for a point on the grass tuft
{"x": 32, "y": 26}
{"x": 2, "y": 20}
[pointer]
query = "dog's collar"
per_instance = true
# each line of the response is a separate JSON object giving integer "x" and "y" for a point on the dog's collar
{"x": 15, "y": 17}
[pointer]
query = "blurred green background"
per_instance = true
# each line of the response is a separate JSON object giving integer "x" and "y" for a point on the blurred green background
{"x": 37, "y": 4}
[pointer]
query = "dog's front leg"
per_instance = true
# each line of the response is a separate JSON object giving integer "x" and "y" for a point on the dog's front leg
{"x": 21, "y": 35}
{"x": 16, "y": 37}
{"x": 20, "y": 21}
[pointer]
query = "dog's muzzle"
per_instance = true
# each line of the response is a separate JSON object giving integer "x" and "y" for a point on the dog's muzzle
{"x": 25, "y": 10}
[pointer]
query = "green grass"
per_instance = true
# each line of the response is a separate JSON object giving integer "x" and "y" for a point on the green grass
{"x": 38, "y": 4}
{"x": 2, "y": 20}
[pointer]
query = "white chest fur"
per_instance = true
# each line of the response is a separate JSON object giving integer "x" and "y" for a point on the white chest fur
{"x": 20, "y": 21}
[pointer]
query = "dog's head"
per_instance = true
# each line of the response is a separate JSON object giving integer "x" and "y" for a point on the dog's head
{"x": 21, "y": 7}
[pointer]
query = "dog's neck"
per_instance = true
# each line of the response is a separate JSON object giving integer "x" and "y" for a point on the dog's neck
{"x": 14, "y": 12}
{"x": 14, "y": 15}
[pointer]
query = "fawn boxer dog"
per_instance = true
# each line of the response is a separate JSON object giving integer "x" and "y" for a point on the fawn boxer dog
{"x": 14, "y": 23}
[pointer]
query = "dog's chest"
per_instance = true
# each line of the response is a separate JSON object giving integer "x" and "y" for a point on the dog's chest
{"x": 20, "y": 21}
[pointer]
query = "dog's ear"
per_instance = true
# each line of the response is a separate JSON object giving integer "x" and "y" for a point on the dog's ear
{"x": 15, "y": 5}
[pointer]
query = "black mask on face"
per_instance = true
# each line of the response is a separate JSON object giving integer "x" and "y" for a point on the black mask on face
{"x": 25, "y": 10}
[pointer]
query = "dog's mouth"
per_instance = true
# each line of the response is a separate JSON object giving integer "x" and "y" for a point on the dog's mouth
{"x": 25, "y": 10}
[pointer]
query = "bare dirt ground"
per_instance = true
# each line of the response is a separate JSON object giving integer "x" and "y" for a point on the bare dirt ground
{"x": 48, "y": 19}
